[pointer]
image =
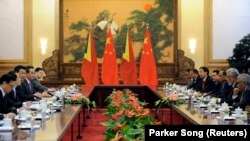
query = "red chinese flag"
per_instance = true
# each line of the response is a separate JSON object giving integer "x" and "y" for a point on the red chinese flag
{"x": 109, "y": 64}
{"x": 148, "y": 73}
{"x": 89, "y": 64}
{"x": 128, "y": 66}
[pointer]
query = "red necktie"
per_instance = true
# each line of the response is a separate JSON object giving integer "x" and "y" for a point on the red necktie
{"x": 203, "y": 85}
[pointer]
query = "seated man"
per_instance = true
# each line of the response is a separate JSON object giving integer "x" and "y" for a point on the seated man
{"x": 39, "y": 73}
{"x": 225, "y": 87}
{"x": 244, "y": 87}
{"x": 27, "y": 87}
{"x": 12, "y": 97}
{"x": 7, "y": 83}
{"x": 217, "y": 84}
{"x": 38, "y": 87}
{"x": 232, "y": 95}
{"x": 196, "y": 80}
{"x": 20, "y": 93}
{"x": 207, "y": 82}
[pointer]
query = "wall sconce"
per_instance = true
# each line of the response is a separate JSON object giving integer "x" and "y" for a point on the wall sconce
{"x": 192, "y": 45}
{"x": 43, "y": 43}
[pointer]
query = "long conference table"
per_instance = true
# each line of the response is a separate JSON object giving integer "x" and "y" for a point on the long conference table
{"x": 192, "y": 115}
{"x": 55, "y": 127}
{"x": 52, "y": 129}
{"x": 99, "y": 93}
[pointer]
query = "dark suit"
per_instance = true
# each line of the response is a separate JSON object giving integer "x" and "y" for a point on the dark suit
{"x": 38, "y": 87}
{"x": 5, "y": 106}
{"x": 216, "y": 90}
{"x": 1, "y": 116}
{"x": 208, "y": 85}
{"x": 13, "y": 97}
{"x": 196, "y": 84}
{"x": 228, "y": 93}
{"x": 26, "y": 93}
{"x": 244, "y": 99}
{"x": 232, "y": 101}
{"x": 225, "y": 90}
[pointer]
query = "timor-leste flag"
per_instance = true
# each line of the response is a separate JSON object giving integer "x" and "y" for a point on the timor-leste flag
{"x": 109, "y": 63}
{"x": 128, "y": 65}
{"x": 148, "y": 73}
{"x": 90, "y": 72}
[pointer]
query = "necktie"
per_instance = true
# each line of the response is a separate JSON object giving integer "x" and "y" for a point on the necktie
{"x": 222, "y": 87}
{"x": 14, "y": 90}
{"x": 30, "y": 87}
{"x": 203, "y": 85}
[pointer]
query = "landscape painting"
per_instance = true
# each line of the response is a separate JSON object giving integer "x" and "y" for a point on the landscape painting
{"x": 79, "y": 16}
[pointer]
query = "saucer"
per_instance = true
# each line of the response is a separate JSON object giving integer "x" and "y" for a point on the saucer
{"x": 202, "y": 106}
{"x": 234, "y": 115}
{"x": 6, "y": 128}
{"x": 229, "y": 118}
{"x": 215, "y": 111}
{"x": 24, "y": 126}
{"x": 20, "y": 118}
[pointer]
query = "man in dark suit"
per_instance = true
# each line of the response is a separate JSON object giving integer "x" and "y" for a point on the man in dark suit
{"x": 196, "y": 80}
{"x": 20, "y": 93}
{"x": 244, "y": 86}
{"x": 7, "y": 83}
{"x": 207, "y": 83}
{"x": 26, "y": 89}
{"x": 225, "y": 87}
{"x": 38, "y": 87}
{"x": 233, "y": 95}
{"x": 27, "y": 85}
{"x": 12, "y": 97}
{"x": 217, "y": 84}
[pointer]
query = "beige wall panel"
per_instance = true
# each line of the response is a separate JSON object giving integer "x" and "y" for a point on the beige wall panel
{"x": 15, "y": 35}
{"x": 44, "y": 28}
{"x": 12, "y": 34}
{"x": 191, "y": 26}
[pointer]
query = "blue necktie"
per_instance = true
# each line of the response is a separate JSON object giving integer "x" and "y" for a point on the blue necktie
{"x": 30, "y": 87}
